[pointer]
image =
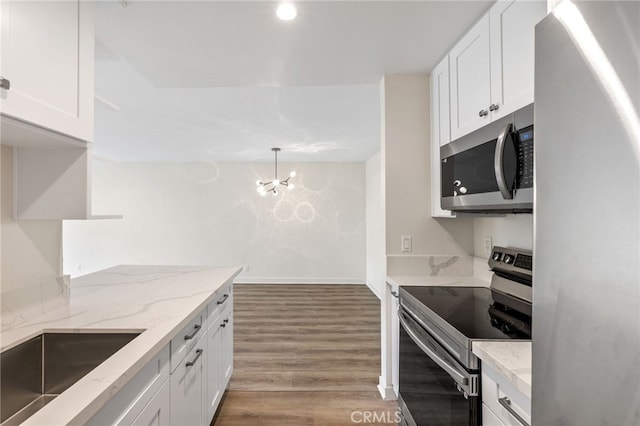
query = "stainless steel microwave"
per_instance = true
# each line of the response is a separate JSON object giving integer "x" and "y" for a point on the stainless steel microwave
{"x": 490, "y": 170}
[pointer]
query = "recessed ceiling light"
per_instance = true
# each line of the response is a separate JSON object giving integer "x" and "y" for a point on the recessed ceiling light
{"x": 286, "y": 11}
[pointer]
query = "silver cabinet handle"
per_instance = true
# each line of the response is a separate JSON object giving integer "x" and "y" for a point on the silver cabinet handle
{"x": 224, "y": 299}
{"x": 483, "y": 113}
{"x": 395, "y": 294}
{"x": 4, "y": 83}
{"x": 494, "y": 107}
{"x": 196, "y": 328}
{"x": 193, "y": 361}
{"x": 498, "y": 165}
{"x": 506, "y": 403}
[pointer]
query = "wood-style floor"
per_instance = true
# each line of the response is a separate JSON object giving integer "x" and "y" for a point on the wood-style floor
{"x": 305, "y": 355}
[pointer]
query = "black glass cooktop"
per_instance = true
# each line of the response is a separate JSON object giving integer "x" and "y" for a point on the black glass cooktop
{"x": 477, "y": 312}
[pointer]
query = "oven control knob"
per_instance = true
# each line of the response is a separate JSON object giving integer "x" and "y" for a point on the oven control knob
{"x": 508, "y": 259}
{"x": 497, "y": 256}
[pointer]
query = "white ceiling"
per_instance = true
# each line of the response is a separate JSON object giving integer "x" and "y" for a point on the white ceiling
{"x": 226, "y": 81}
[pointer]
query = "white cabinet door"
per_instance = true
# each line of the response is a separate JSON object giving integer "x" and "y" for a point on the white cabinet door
{"x": 156, "y": 411}
{"x": 226, "y": 353}
{"x": 440, "y": 134}
{"x": 470, "y": 80}
{"x": 48, "y": 59}
{"x": 187, "y": 387}
{"x": 214, "y": 372}
{"x": 440, "y": 103}
{"x": 512, "y": 25}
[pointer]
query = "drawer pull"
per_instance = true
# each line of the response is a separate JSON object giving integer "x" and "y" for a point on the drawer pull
{"x": 506, "y": 403}
{"x": 192, "y": 363}
{"x": 224, "y": 299}
{"x": 197, "y": 328}
{"x": 4, "y": 83}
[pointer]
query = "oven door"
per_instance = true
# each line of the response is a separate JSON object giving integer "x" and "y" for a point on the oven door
{"x": 434, "y": 388}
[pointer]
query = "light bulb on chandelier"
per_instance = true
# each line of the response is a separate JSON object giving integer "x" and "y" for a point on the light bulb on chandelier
{"x": 272, "y": 186}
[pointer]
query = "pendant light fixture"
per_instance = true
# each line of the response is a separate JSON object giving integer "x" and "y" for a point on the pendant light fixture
{"x": 272, "y": 186}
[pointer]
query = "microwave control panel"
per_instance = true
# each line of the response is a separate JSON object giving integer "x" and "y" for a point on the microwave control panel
{"x": 524, "y": 142}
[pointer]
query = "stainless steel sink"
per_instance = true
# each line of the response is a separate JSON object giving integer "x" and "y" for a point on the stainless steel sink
{"x": 36, "y": 371}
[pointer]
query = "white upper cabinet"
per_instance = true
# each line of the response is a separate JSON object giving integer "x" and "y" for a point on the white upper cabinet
{"x": 440, "y": 133}
{"x": 470, "y": 80}
{"x": 47, "y": 65}
{"x": 512, "y": 53}
{"x": 491, "y": 67}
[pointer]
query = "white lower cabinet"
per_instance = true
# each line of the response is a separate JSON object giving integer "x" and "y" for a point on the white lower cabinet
{"x": 220, "y": 352}
{"x": 182, "y": 385}
{"x": 502, "y": 402}
{"x": 226, "y": 350}
{"x": 187, "y": 386}
{"x": 214, "y": 374}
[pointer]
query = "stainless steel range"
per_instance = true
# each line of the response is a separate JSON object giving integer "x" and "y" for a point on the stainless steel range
{"x": 439, "y": 375}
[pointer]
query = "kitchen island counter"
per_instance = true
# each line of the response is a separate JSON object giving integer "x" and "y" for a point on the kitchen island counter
{"x": 155, "y": 300}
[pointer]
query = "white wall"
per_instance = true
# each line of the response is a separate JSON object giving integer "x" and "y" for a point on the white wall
{"x": 512, "y": 230}
{"x": 408, "y": 180}
{"x": 206, "y": 213}
{"x": 31, "y": 259}
{"x": 376, "y": 271}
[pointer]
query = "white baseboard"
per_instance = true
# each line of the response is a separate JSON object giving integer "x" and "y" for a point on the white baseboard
{"x": 374, "y": 289}
{"x": 386, "y": 392}
{"x": 261, "y": 280}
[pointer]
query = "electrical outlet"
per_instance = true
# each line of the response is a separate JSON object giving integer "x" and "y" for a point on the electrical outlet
{"x": 245, "y": 268}
{"x": 405, "y": 243}
{"x": 488, "y": 245}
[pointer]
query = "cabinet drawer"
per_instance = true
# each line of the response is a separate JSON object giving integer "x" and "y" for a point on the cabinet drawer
{"x": 186, "y": 339}
{"x": 130, "y": 401}
{"x": 496, "y": 386}
{"x": 489, "y": 418}
{"x": 222, "y": 299}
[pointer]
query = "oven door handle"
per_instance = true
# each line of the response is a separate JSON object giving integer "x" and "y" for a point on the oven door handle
{"x": 455, "y": 374}
{"x": 498, "y": 163}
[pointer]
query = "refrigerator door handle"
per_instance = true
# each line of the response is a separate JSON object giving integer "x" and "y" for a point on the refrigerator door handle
{"x": 498, "y": 164}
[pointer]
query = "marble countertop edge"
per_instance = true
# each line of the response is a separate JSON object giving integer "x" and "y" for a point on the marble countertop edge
{"x": 512, "y": 359}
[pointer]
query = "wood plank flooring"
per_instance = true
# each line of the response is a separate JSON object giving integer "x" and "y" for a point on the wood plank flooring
{"x": 305, "y": 355}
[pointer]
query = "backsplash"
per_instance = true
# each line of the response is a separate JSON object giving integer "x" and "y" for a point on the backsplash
{"x": 433, "y": 266}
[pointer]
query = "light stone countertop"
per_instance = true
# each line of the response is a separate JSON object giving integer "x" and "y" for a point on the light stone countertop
{"x": 425, "y": 280}
{"x": 511, "y": 359}
{"x": 157, "y": 300}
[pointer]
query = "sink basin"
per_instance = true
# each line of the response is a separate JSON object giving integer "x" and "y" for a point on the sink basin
{"x": 36, "y": 371}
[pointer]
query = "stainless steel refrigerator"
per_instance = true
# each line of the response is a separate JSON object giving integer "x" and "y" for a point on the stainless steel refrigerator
{"x": 586, "y": 291}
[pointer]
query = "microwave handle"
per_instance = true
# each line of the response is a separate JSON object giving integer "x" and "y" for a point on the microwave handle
{"x": 498, "y": 165}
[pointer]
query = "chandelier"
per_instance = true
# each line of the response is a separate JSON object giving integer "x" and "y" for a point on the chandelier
{"x": 272, "y": 186}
